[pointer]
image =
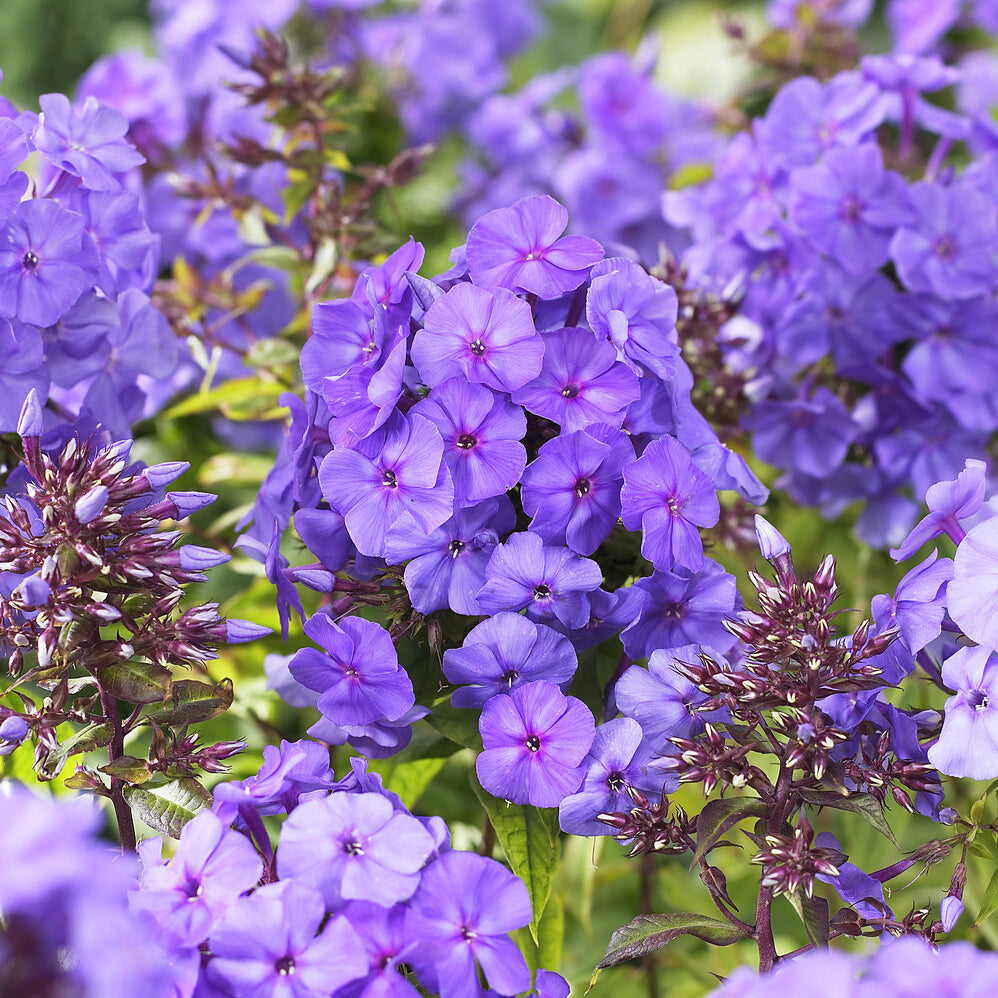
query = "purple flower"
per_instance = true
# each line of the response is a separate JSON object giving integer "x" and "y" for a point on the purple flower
{"x": 90, "y": 144}
{"x": 212, "y": 866}
{"x": 948, "y": 502}
{"x": 661, "y": 699}
{"x": 682, "y": 608}
{"x": 918, "y": 604}
{"x": 45, "y": 262}
{"x": 386, "y": 945}
{"x": 972, "y": 595}
{"x": 464, "y": 908}
{"x": 481, "y": 433}
{"x": 810, "y": 434}
{"x": 617, "y": 762}
{"x": 448, "y": 566}
{"x": 482, "y": 334}
{"x": 524, "y": 573}
{"x": 519, "y": 248}
{"x": 968, "y": 743}
{"x": 636, "y": 312}
{"x": 534, "y": 742}
{"x": 807, "y": 117}
{"x": 354, "y": 846}
{"x": 572, "y": 490}
{"x": 266, "y": 944}
{"x": 23, "y": 374}
{"x": 504, "y": 652}
{"x": 950, "y": 910}
{"x": 951, "y": 249}
{"x": 849, "y": 207}
{"x": 668, "y": 498}
{"x": 400, "y": 473}
{"x": 852, "y": 884}
{"x": 357, "y": 677}
{"x": 13, "y": 152}
{"x": 581, "y": 381}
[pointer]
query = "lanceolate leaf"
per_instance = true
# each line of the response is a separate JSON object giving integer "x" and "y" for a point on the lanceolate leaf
{"x": 192, "y": 702}
{"x": 647, "y": 933}
{"x": 813, "y": 912}
{"x": 862, "y": 804}
{"x": 990, "y": 903}
{"x": 93, "y": 736}
{"x": 718, "y": 817}
{"x": 136, "y": 682}
{"x": 171, "y": 806}
{"x": 529, "y": 837}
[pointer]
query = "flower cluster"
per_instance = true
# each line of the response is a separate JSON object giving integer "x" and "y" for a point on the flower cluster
{"x": 77, "y": 264}
{"x": 359, "y": 897}
{"x": 536, "y": 381}
{"x": 89, "y": 615}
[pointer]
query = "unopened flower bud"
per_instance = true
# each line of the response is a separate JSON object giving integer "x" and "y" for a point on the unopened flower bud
{"x": 950, "y": 911}
{"x": 31, "y": 421}
{"x": 90, "y": 506}
{"x": 238, "y": 631}
{"x": 160, "y": 475}
{"x": 187, "y": 503}
{"x": 194, "y": 558}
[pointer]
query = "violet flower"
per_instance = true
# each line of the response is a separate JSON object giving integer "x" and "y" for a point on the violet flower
{"x": 519, "y": 248}
{"x": 534, "y": 742}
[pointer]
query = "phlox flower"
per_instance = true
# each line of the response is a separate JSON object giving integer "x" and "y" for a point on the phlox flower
{"x": 534, "y": 742}
{"x": 462, "y": 913}
{"x": 485, "y": 335}
{"x": 668, "y": 498}
{"x": 968, "y": 743}
{"x": 354, "y": 846}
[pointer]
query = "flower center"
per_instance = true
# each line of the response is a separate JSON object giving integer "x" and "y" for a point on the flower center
{"x": 467, "y": 934}
{"x": 978, "y": 699}
{"x": 285, "y": 967}
{"x": 570, "y": 391}
{"x": 477, "y": 347}
{"x": 542, "y": 592}
{"x": 353, "y": 848}
{"x": 466, "y": 441}
{"x": 510, "y": 677}
{"x": 455, "y": 547}
{"x": 615, "y": 781}
{"x": 582, "y": 487}
{"x": 390, "y": 481}
{"x": 852, "y": 208}
{"x": 533, "y": 743}
{"x": 945, "y": 247}
{"x": 30, "y": 260}
{"x": 673, "y": 610}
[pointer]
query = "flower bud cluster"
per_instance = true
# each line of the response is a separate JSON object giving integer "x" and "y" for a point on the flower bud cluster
{"x": 92, "y": 591}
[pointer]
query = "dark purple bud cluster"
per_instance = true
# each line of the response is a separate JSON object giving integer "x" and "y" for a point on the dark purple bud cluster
{"x": 790, "y": 862}
{"x": 89, "y": 615}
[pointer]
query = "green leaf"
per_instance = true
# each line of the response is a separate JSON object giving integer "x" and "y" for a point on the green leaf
{"x": 647, "y": 933}
{"x": 990, "y": 903}
{"x": 171, "y": 807}
{"x": 528, "y": 836}
{"x": 93, "y": 736}
{"x": 128, "y": 768}
{"x": 862, "y": 804}
{"x": 136, "y": 682}
{"x": 813, "y": 912}
{"x": 240, "y": 399}
{"x": 191, "y": 702}
{"x": 719, "y": 816}
{"x": 459, "y": 725}
{"x": 408, "y": 778}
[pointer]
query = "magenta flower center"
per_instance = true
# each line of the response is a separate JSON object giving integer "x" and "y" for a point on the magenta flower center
{"x": 533, "y": 743}
{"x": 30, "y": 260}
{"x": 466, "y": 441}
{"x": 285, "y": 967}
{"x": 582, "y": 487}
